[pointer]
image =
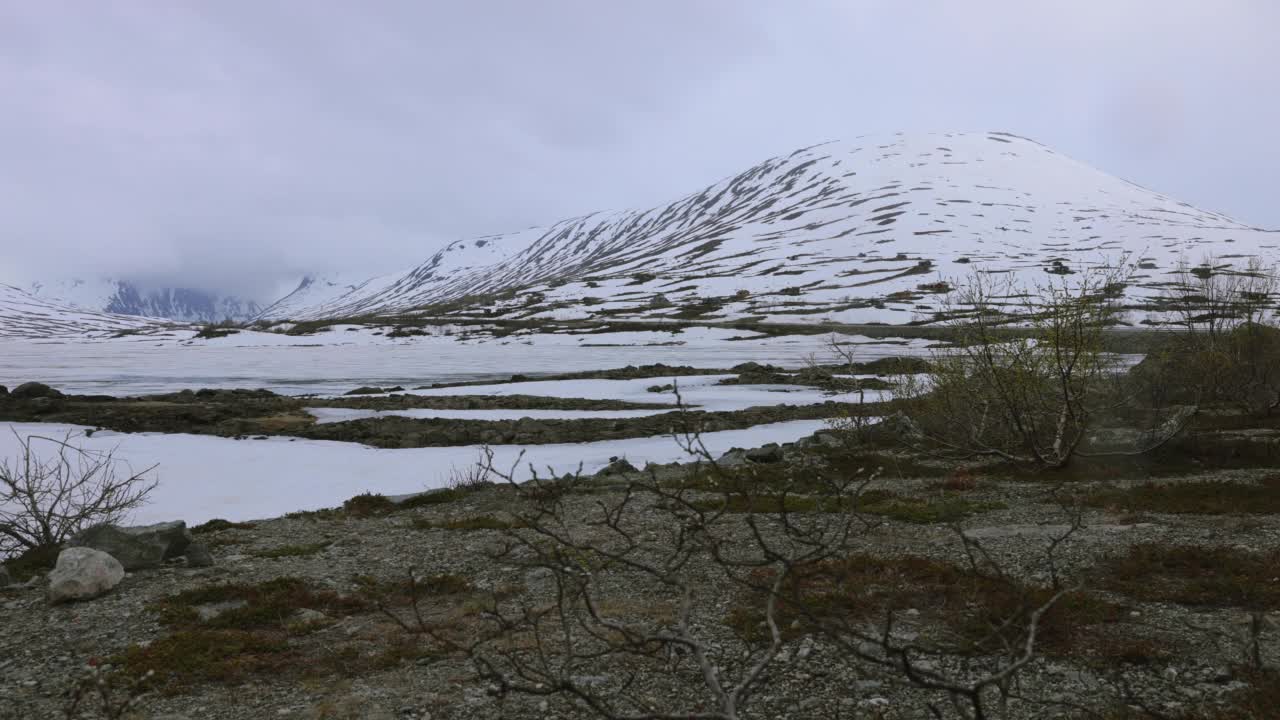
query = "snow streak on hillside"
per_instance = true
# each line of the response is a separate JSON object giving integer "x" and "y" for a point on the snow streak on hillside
{"x": 866, "y": 231}
{"x": 23, "y": 315}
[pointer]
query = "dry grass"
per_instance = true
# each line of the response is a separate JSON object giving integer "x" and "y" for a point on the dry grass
{"x": 958, "y": 481}
{"x": 962, "y": 610}
{"x": 1202, "y": 498}
{"x": 1195, "y": 575}
{"x": 250, "y": 637}
{"x": 218, "y": 524}
{"x": 256, "y": 635}
{"x": 369, "y": 505}
{"x": 944, "y": 508}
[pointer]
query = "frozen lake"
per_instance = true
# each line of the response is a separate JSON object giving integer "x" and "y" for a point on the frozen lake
{"x": 135, "y": 366}
{"x": 201, "y": 477}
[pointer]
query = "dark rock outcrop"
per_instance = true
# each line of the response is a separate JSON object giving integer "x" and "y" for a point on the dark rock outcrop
{"x": 198, "y": 555}
{"x": 771, "y": 453}
{"x": 139, "y": 547}
{"x": 33, "y": 390}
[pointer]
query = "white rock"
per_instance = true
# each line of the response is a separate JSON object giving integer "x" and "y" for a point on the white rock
{"x": 307, "y": 616}
{"x": 82, "y": 574}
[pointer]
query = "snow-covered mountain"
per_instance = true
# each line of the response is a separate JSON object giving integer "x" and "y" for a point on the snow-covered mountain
{"x": 865, "y": 231}
{"x": 121, "y": 297}
{"x": 23, "y": 315}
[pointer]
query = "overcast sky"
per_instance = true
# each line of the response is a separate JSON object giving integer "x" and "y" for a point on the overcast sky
{"x": 240, "y": 143}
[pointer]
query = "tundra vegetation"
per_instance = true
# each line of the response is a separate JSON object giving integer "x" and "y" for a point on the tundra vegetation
{"x": 1029, "y": 528}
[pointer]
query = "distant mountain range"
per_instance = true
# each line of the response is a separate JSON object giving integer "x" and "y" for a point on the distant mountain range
{"x": 121, "y": 297}
{"x": 23, "y": 315}
{"x": 873, "y": 230}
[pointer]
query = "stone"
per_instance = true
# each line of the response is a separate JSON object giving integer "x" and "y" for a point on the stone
{"x": 806, "y": 648}
{"x": 307, "y": 616}
{"x": 618, "y": 466}
{"x": 198, "y": 555}
{"x": 824, "y": 438}
{"x": 771, "y": 453}
{"x": 32, "y": 390}
{"x": 83, "y": 574}
{"x": 5, "y": 578}
{"x": 209, "y": 611}
{"x": 137, "y": 548}
{"x": 901, "y": 427}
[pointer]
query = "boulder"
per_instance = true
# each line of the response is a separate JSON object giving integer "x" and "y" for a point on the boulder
{"x": 900, "y": 426}
{"x": 822, "y": 438}
{"x": 618, "y": 466}
{"x": 139, "y": 547}
{"x": 33, "y": 390}
{"x": 770, "y": 453}
{"x": 83, "y": 574}
{"x": 198, "y": 555}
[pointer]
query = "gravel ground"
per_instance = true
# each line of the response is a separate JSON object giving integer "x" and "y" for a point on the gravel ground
{"x": 44, "y": 649}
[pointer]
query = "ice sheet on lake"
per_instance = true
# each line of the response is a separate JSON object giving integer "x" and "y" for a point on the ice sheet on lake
{"x": 332, "y": 415}
{"x": 702, "y": 392}
{"x": 204, "y": 477}
{"x": 134, "y": 366}
{"x": 698, "y": 392}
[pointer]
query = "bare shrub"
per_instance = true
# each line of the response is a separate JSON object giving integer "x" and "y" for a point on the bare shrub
{"x": 1228, "y": 350}
{"x": 105, "y": 693}
{"x": 857, "y": 428}
{"x": 1211, "y": 299}
{"x": 677, "y": 546}
{"x": 46, "y": 497}
{"x": 1028, "y": 376}
{"x": 473, "y": 476}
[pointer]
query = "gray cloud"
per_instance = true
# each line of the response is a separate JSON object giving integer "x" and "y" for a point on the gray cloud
{"x": 238, "y": 144}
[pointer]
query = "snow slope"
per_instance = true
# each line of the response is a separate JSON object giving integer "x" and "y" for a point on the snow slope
{"x": 860, "y": 231}
{"x": 329, "y": 296}
{"x": 23, "y": 315}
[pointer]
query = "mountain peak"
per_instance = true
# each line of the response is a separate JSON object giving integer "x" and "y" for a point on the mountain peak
{"x": 867, "y": 230}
